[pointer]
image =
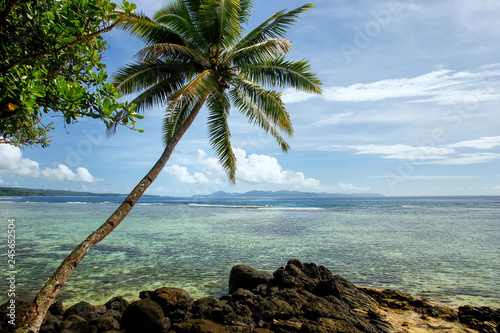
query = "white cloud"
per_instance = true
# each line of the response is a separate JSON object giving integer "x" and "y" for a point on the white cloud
{"x": 404, "y": 152}
{"x": 263, "y": 169}
{"x": 435, "y": 155}
{"x": 182, "y": 175}
{"x": 64, "y": 173}
{"x": 441, "y": 86}
{"x": 251, "y": 169}
{"x": 482, "y": 143}
{"x": 333, "y": 119}
{"x": 463, "y": 159}
{"x": 294, "y": 96}
{"x": 431, "y": 177}
{"x": 12, "y": 163}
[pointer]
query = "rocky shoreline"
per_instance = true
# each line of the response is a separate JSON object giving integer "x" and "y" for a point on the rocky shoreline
{"x": 300, "y": 297}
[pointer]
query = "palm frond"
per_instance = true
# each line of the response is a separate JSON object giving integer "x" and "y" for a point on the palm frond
{"x": 275, "y": 26}
{"x": 202, "y": 85}
{"x": 283, "y": 73}
{"x": 260, "y": 52}
{"x": 193, "y": 8}
{"x": 245, "y": 11}
{"x": 149, "y": 31}
{"x": 263, "y": 108}
{"x": 159, "y": 94}
{"x": 171, "y": 51}
{"x": 175, "y": 115}
{"x": 139, "y": 75}
{"x": 177, "y": 17}
{"x": 219, "y": 134}
{"x": 219, "y": 23}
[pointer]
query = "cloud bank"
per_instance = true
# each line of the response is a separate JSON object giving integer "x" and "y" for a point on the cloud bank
{"x": 251, "y": 169}
{"x": 255, "y": 169}
{"x": 436, "y": 155}
{"x": 444, "y": 87}
{"x": 13, "y": 164}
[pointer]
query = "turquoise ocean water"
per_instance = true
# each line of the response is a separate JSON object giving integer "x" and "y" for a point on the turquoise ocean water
{"x": 447, "y": 248}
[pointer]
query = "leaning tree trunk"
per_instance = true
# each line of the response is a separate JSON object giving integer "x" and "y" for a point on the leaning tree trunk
{"x": 34, "y": 316}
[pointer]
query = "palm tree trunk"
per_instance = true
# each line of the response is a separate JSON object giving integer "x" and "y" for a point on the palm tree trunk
{"x": 34, "y": 316}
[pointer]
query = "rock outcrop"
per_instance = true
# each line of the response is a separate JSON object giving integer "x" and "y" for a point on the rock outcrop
{"x": 300, "y": 297}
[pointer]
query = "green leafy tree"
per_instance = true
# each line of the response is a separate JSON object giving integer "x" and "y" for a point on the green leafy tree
{"x": 196, "y": 54}
{"x": 50, "y": 64}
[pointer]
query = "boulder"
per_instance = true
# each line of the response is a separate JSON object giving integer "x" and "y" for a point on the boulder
{"x": 172, "y": 299}
{"x": 50, "y": 324}
{"x": 315, "y": 279}
{"x": 212, "y": 309}
{"x": 144, "y": 316}
{"x": 397, "y": 300}
{"x": 117, "y": 303}
{"x": 82, "y": 309}
{"x": 75, "y": 324}
{"x": 114, "y": 314}
{"x": 104, "y": 323}
{"x": 199, "y": 326}
{"x": 6, "y": 314}
{"x": 483, "y": 319}
{"x": 246, "y": 277}
{"x": 57, "y": 308}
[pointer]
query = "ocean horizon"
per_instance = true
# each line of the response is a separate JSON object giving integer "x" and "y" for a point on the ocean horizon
{"x": 445, "y": 248}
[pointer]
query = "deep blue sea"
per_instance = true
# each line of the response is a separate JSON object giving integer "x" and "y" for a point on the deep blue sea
{"x": 447, "y": 248}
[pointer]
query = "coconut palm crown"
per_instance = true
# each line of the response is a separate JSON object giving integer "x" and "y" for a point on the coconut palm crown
{"x": 196, "y": 53}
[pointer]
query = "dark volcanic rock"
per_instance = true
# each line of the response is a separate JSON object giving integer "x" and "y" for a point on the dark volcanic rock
{"x": 50, "y": 324}
{"x": 57, "y": 308}
{"x": 316, "y": 279}
{"x": 483, "y": 319}
{"x": 74, "y": 323}
{"x": 246, "y": 277}
{"x": 117, "y": 303}
{"x": 16, "y": 311}
{"x": 397, "y": 300}
{"x": 212, "y": 309}
{"x": 172, "y": 299}
{"x": 144, "y": 316}
{"x": 300, "y": 297}
{"x": 84, "y": 310}
{"x": 105, "y": 323}
{"x": 199, "y": 326}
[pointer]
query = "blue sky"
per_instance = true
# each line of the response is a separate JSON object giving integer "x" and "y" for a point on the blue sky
{"x": 410, "y": 107}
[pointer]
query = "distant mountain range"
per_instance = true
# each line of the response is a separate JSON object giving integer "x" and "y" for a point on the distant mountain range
{"x": 19, "y": 191}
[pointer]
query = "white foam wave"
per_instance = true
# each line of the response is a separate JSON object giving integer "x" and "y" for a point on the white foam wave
{"x": 291, "y": 208}
{"x": 223, "y": 206}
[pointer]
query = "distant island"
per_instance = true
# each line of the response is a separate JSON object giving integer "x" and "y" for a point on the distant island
{"x": 30, "y": 192}
{"x": 20, "y": 191}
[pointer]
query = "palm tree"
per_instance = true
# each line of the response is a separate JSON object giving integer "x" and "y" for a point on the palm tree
{"x": 195, "y": 54}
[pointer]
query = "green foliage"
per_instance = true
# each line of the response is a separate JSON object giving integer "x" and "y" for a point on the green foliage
{"x": 50, "y": 64}
{"x": 20, "y": 191}
{"x": 195, "y": 51}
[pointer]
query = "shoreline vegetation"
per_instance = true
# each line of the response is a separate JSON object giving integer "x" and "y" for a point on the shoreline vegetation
{"x": 30, "y": 192}
{"x": 300, "y": 297}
